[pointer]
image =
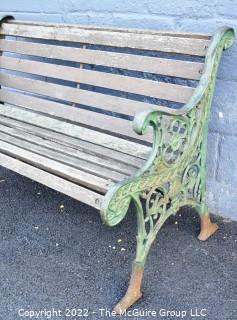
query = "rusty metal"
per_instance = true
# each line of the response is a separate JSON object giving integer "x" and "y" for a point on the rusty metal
{"x": 208, "y": 228}
{"x": 133, "y": 293}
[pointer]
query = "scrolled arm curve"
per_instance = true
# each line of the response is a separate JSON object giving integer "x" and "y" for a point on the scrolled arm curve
{"x": 145, "y": 118}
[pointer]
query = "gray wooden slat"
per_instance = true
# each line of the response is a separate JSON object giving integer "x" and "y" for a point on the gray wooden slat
{"x": 75, "y": 175}
{"x": 73, "y": 153}
{"x": 181, "y": 34}
{"x": 77, "y": 115}
{"x": 83, "y": 165}
{"x": 77, "y": 144}
{"x": 155, "y": 89}
{"x": 74, "y": 191}
{"x": 76, "y": 131}
{"x": 88, "y": 98}
{"x": 165, "y": 43}
{"x": 169, "y": 67}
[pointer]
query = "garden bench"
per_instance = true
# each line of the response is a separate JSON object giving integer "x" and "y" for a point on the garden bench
{"x": 88, "y": 112}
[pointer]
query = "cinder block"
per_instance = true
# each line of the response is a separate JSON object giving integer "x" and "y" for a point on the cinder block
{"x": 221, "y": 199}
{"x": 228, "y": 65}
{"x": 21, "y": 6}
{"x": 27, "y": 6}
{"x": 226, "y": 171}
{"x": 106, "y": 6}
{"x": 121, "y": 20}
{"x": 53, "y": 6}
{"x": 224, "y": 108}
{"x": 37, "y": 16}
{"x": 204, "y": 24}
{"x": 226, "y": 9}
{"x": 184, "y": 8}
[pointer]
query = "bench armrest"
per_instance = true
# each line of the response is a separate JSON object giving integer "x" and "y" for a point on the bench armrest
{"x": 222, "y": 39}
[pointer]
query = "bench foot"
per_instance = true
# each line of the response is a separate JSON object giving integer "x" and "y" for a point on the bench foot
{"x": 208, "y": 228}
{"x": 133, "y": 293}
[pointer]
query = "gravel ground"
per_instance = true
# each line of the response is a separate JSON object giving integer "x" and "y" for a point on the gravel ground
{"x": 56, "y": 254}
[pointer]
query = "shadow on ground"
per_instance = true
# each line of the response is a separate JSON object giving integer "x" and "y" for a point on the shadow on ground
{"x": 55, "y": 253}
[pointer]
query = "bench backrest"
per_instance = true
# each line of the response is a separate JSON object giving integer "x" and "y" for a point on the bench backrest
{"x": 89, "y": 75}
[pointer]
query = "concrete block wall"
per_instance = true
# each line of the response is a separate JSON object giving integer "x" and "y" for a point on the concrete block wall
{"x": 182, "y": 15}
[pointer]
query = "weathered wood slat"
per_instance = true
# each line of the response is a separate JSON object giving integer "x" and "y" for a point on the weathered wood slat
{"x": 73, "y": 153}
{"x": 77, "y": 144}
{"x": 127, "y": 30}
{"x": 59, "y": 184}
{"x": 69, "y": 129}
{"x": 169, "y": 67}
{"x": 88, "y": 98}
{"x": 77, "y": 115}
{"x": 155, "y": 89}
{"x": 144, "y": 41}
{"x": 75, "y": 175}
{"x": 83, "y": 165}
{"x": 102, "y": 167}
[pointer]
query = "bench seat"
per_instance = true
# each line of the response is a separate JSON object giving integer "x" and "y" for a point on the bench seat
{"x": 67, "y": 150}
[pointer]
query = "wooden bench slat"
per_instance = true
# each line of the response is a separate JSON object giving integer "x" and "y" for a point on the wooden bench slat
{"x": 59, "y": 184}
{"x": 155, "y": 89}
{"x": 88, "y": 98}
{"x": 164, "y": 43}
{"x": 82, "y": 165}
{"x": 181, "y": 34}
{"x": 101, "y": 166}
{"x": 77, "y": 115}
{"x": 76, "y": 131}
{"x": 75, "y": 175}
{"x": 169, "y": 67}
{"x": 77, "y": 144}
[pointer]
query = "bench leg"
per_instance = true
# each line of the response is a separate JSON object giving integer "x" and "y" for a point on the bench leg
{"x": 208, "y": 228}
{"x": 148, "y": 225}
{"x": 133, "y": 293}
